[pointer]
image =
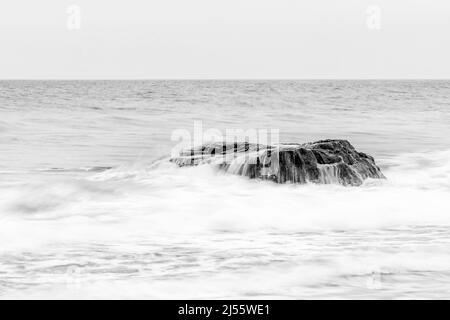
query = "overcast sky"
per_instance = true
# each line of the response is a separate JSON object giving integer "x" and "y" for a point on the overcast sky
{"x": 156, "y": 39}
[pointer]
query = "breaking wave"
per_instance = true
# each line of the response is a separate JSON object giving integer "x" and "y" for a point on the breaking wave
{"x": 160, "y": 198}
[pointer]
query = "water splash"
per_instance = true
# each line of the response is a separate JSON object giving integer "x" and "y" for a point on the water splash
{"x": 329, "y": 173}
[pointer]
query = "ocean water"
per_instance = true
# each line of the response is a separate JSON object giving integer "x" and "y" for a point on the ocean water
{"x": 91, "y": 208}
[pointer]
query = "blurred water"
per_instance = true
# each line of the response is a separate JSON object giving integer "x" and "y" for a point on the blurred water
{"x": 87, "y": 209}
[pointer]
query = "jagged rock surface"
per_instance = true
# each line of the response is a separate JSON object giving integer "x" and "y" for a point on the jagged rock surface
{"x": 325, "y": 161}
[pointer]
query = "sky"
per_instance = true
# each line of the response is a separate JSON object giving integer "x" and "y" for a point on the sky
{"x": 224, "y": 39}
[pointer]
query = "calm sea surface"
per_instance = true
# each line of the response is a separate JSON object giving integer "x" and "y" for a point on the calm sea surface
{"x": 90, "y": 208}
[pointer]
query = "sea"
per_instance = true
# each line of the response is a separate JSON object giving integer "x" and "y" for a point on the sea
{"x": 92, "y": 208}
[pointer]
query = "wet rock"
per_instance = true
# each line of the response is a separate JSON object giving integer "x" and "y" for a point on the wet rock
{"x": 325, "y": 161}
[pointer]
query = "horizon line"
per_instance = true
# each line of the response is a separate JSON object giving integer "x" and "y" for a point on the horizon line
{"x": 224, "y": 79}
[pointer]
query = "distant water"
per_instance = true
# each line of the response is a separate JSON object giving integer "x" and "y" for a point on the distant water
{"x": 89, "y": 210}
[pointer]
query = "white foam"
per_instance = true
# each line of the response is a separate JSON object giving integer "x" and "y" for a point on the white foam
{"x": 167, "y": 199}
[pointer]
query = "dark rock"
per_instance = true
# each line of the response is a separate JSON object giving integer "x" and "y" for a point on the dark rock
{"x": 325, "y": 161}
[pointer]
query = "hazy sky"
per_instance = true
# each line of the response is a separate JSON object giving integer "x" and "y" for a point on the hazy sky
{"x": 225, "y": 39}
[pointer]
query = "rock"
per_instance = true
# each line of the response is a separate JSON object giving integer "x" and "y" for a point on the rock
{"x": 325, "y": 161}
